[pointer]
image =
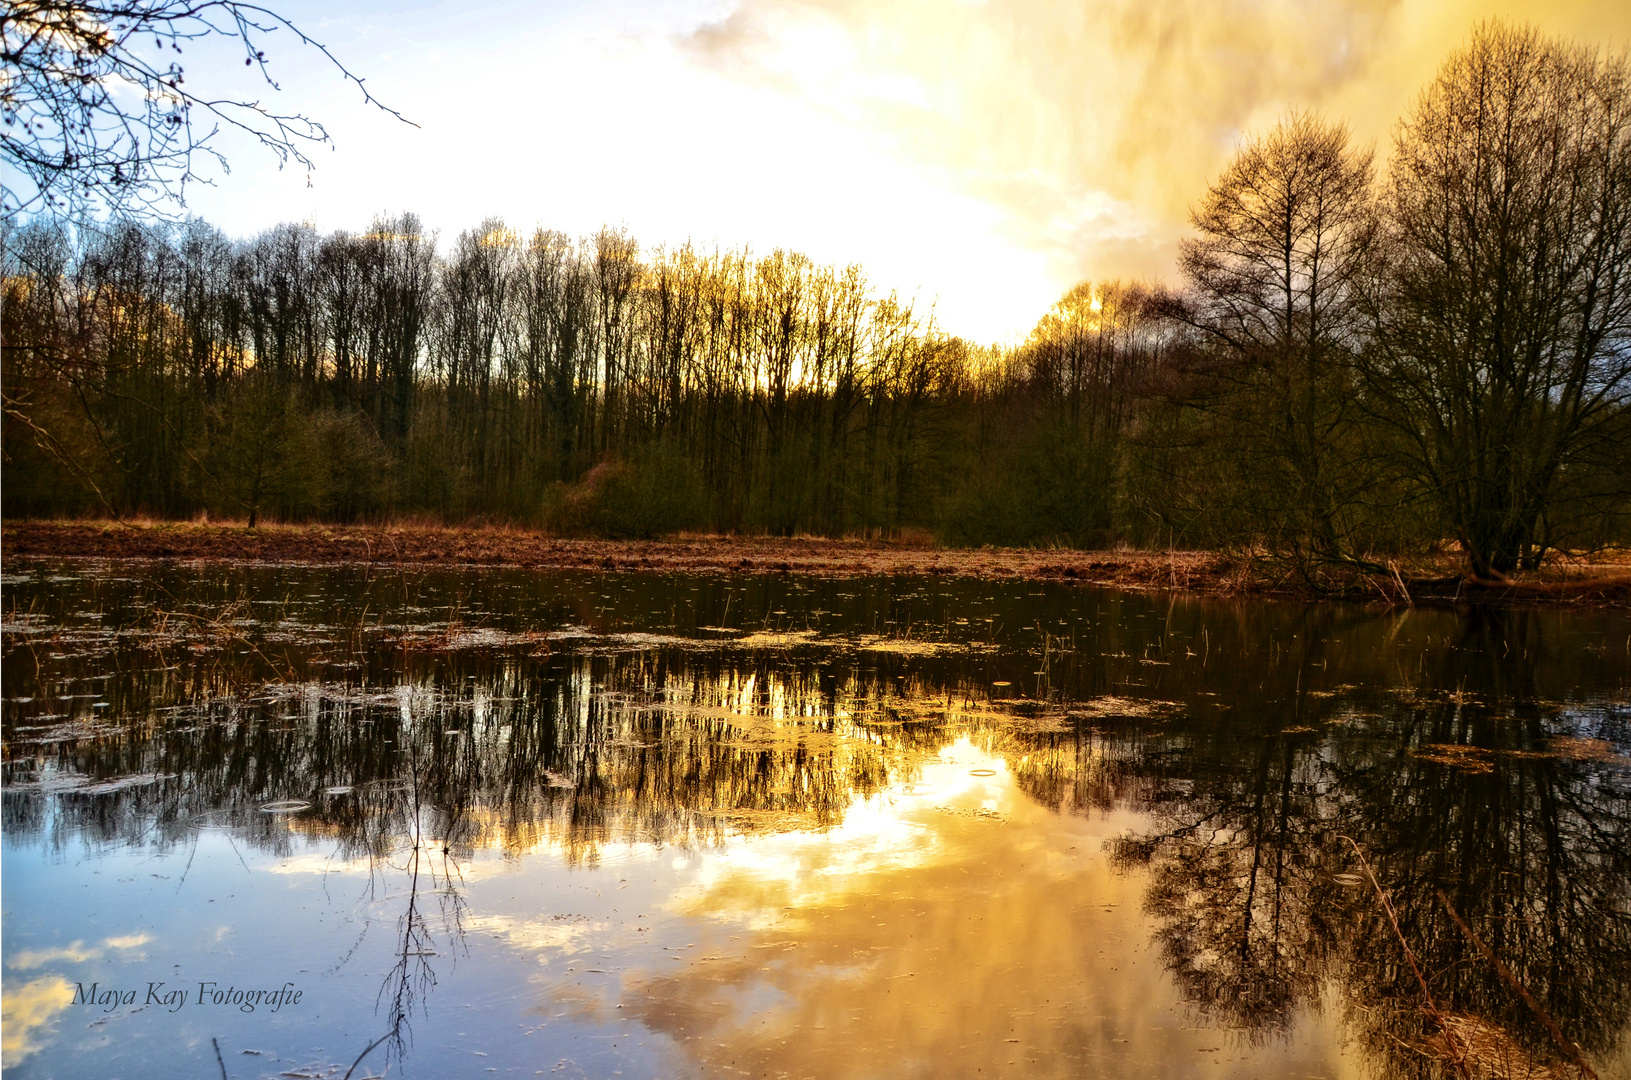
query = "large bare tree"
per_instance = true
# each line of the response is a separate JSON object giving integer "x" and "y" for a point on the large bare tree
{"x": 1282, "y": 237}
{"x": 1502, "y": 343}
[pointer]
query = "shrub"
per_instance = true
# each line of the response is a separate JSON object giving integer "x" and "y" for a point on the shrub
{"x": 658, "y": 492}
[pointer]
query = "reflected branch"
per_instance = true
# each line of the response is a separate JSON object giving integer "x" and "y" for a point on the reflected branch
{"x": 1511, "y": 980}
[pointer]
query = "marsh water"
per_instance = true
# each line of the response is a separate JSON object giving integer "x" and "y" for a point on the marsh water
{"x": 295, "y": 821}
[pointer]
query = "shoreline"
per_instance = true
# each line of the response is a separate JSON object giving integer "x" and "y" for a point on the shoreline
{"x": 1606, "y": 584}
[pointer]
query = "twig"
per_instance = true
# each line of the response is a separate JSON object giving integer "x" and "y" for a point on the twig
{"x": 1562, "y": 1040}
{"x": 53, "y": 448}
{"x": 364, "y": 1054}
{"x": 1406, "y": 592}
{"x": 224, "y": 630}
{"x": 1368, "y": 580}
{"x": 218, "y": 1059}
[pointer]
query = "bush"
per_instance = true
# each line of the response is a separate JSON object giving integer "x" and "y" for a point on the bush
{"x": 359, "y": 474}
{"x": 263, "y": 455}
{"x": 657, "y": 493}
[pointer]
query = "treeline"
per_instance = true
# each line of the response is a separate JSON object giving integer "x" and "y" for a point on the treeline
{"x": 1356, "y": 365}
{"x": 541, "y": 379}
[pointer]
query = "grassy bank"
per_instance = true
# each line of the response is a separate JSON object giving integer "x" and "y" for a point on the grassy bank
{"x": 1605, "y": 581}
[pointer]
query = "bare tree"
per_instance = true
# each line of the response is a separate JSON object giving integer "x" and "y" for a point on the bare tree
{"x": 1502, "y": 353}
{"x": 616, "y": 275}
{"x": 553, "y": 289}
{"x": 90, "y": 116}
{"x": 1283, "y": 235}
{"x": 1080, "y": 368}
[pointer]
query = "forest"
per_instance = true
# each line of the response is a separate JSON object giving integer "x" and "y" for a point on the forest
{"x": 1356, "y": 361}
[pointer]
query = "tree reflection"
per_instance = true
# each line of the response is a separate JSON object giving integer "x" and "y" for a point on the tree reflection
{"x": 1250, "y": 738}
{"x": 486, "y": 750}
{"x": 1242, "y": 889}
{"x": 1257, "y": 902}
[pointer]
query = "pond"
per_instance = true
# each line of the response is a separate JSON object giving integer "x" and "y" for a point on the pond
{"x": 308, "y": 821}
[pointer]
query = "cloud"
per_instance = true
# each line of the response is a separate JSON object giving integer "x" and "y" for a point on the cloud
{"x": 725, "y": 41}
{"x": 988, "y": 154}
{"x": 1093, "y": 126}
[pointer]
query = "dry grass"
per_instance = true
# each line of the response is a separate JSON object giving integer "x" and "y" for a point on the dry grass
{"x": 1604, "y": 581}
{"x": 1488, "y": 1051}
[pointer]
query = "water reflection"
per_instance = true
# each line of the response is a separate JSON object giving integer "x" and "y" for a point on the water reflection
{"x": 898, "y": 798}
{"x": 1516, "y": 808}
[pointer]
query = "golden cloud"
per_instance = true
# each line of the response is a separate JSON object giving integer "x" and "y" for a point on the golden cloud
{"x": 1095, "y": 125}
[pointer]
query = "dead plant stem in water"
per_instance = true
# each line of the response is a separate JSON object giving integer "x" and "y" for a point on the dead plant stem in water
{"x": 1460, "y": 1058}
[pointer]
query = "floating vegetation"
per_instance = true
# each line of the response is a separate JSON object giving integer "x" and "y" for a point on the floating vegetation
{"x": 1045, "y": 721}
{"x": 56, "y": 782}
{"x": 649, "y": 641}
{"x": 1111, "y": 705}
{"x": 76, "y": 730}
{"x": 1572, "y": 748}
{"x": 984, "y": 813}
{"x": 774, "y": 639}
{"x": 338, "y": 693}
{"x": 1472, "y": 759}
{"x": 902, "y": 646}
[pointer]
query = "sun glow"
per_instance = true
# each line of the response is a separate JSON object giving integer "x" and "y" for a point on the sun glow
{"x": 977, "y": 158}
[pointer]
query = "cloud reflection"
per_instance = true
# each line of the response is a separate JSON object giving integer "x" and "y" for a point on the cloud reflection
{"x": 924, "y": 937}
{"x": 76, "y": 953}
{"x": 29, "y": 1012}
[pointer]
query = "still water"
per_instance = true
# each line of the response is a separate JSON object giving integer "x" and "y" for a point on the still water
{"x": 295, "y": 821}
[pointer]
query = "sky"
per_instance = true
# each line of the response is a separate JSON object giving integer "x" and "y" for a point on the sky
{"x": 979, "y": 157}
